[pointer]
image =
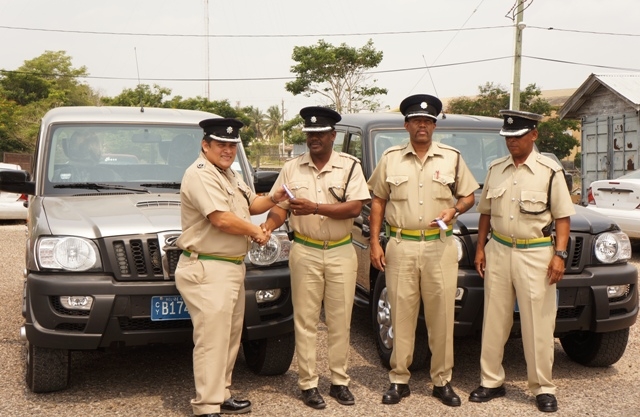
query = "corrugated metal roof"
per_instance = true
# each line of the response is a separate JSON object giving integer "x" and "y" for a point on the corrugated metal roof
{"x": 625, "y": 86}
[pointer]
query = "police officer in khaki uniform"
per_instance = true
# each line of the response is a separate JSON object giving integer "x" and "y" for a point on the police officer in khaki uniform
{"x": 216, "y": 233}
{"x": 329, "y": 190}
{"x": 412, "y": 185}
{"x": 522, "y": 195}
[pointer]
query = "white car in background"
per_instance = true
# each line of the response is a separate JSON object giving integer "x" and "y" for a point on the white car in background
{"x": 12, "y": 206}
{"x": 619, "y": 200}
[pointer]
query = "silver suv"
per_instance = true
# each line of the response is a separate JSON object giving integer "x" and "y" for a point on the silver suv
{"x": 103, "y": 219}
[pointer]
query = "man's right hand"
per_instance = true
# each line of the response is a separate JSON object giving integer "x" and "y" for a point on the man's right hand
{"x": 377, "y": 256}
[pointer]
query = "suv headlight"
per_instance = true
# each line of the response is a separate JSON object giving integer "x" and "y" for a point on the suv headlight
{"x": 612, "y": 247}
{"x": 68, "y": 253}
{"x": 275, "y": 250}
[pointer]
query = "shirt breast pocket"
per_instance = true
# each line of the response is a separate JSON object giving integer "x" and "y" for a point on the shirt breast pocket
{"x": 300, "y": 189}
{"x": 441, "y": 187}
{"x": 399, "y": 186}
{"x": 533, "y": 202}
{"x": 495, "y": 196}
{"x": 336, "y": 189}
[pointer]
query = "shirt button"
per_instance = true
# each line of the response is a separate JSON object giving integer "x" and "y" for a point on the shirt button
{"x": 319, "y": 190}
{"x": 511, "y": 217}
{"x": 420, "y": 218}
{"x": 421, "y": 202}
{"x": 318, "y": 177}
{"x": 515, "y": 182}
{"x": 513, "y": 199}
{"x": 420, "y": 185}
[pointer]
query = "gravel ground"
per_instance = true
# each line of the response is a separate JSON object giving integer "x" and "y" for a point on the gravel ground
{"x": 153, "y": 381}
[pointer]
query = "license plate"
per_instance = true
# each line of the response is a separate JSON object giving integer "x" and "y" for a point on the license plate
{"x": 517, "y": 310}
{"x": 168, "y": 307}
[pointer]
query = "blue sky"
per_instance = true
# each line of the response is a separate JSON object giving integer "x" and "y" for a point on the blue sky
{"x": 465, "y": 42}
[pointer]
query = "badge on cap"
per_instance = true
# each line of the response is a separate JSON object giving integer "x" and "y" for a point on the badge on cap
{"x": 229, "y": 130}
{"x": 313, "y": 119}
{"x": 510, "y": 120}
{"x": 423, "y": 105}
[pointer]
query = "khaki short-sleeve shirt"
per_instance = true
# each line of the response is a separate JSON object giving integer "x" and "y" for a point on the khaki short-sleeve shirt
{"x": 416, "y": 191}
{"x": 304, "y": 179}
{"x": 205, "y": 189}
{"x": 516, "y": 198}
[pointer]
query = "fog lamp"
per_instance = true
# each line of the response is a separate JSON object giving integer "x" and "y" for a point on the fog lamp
{"x": 265, "y": 296}
{"x": 615, "y": 291}
{"x": 76, "y": 302}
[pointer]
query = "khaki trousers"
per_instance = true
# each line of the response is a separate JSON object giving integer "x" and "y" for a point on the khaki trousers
{"x": 428, "y": 271}
{"x": 518, "y": 273}
{"x": 214, "y": 294}
{"x": 322, "y": 276}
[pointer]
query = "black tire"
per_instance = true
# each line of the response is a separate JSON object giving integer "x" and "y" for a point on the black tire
{"x": 270, "y": 356}
{"x": 595, "y": 349}
{"x": 383, "y": 330}
{"x": 47, "y": 369}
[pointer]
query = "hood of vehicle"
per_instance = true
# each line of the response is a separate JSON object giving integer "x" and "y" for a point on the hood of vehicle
{"x": 115, "y": 215}
{"x": 112, "y": 215}
{"x": 584, "y": 221}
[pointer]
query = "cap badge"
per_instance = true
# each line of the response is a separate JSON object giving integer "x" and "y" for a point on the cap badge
{"x": 229, "y": 130}
{"x": 423, "y": 105}
{"x": 313, "y": 119}
{"x": 510, "y": 120}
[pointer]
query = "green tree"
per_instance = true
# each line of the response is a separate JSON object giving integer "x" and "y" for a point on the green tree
{"x": 273, "y": 120}
{"x": 142, "y": 95}
{"x": 27, "y": 93}
{"x": 553, "y": 134}
{"x": 337, "y": 74}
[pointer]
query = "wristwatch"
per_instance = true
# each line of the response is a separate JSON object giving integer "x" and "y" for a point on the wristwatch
{"x": 457, "y": 212}
{"x": 562, "y": 253}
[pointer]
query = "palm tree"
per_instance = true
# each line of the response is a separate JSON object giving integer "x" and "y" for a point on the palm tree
{"x": 257, "y": 121}
{"x": 273, "y": 121}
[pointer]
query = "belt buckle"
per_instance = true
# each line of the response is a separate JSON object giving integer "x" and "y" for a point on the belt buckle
{"x": 422, "y": 235}
{"x": 514, "y": 242}
{"x": 325, "y": 245}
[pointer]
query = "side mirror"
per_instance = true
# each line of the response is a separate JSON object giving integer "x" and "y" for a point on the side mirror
{"x": 264, "y": 180}
{"x": 15, "y": 181}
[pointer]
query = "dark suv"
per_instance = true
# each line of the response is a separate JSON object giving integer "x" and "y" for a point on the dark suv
{"x": 103, "y": 220}
{"x": 598, "y": 297}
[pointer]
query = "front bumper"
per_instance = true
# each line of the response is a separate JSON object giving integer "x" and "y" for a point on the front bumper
{"x": 121, "y": 311}
{"x": 583, "y": 303}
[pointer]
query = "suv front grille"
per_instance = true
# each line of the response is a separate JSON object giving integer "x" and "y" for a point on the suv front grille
{"x": 143, "y": 258}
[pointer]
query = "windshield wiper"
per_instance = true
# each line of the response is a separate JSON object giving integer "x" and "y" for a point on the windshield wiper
{"x": 98, "y": 187}
{"x": 175, "y": 185}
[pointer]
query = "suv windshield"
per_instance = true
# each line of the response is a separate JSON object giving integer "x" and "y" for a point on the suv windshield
{"x": 478, "y": 149}
{"x": 125, "y": 156}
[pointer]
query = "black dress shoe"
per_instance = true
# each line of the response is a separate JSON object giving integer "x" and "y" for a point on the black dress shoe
{"x": 447, "y": 395}
{"x": 547, "y": 403}
{"x": 482, "y": 394}
{"x": 313, "y": 399}
{"x": 342, "y": 394}
{"x": 208, "y": 415}
{"x": 232, "y": 406}
{"x": 395, "y": 393}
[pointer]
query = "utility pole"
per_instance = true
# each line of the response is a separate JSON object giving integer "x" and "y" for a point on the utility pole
{"x": 517, "y": 59}
{"x": 207, "y": 91}
{"x": 283, "y": 151}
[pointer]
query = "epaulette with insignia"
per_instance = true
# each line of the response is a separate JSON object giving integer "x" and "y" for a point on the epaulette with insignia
{"x": 394, "y": 148}
{"x": 449, "y": 147}
{"x": 548, "y": 162}
{"x": 498, "y": 161}
{"x": 348, "y": 155}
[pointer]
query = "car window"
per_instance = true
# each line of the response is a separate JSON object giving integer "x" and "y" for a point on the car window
{"x": 124, "y": 154}
{"x": 478, "y": 149}
{"x": 355, "y": 145}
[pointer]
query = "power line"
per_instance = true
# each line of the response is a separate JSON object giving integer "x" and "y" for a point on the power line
{"x": 89, "y": 32}
{"x": 283, "y": 35}
{"x": 421, "y": 68}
